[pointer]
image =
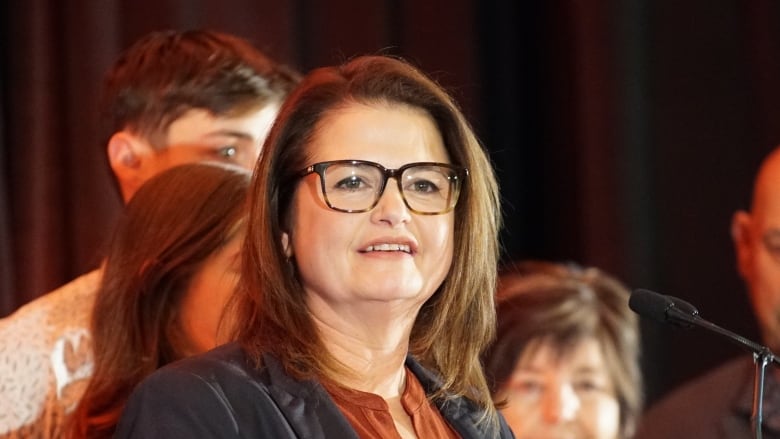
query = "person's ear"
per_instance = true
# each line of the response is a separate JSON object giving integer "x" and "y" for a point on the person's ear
{"x": 122, "y": 151}
{"x": 287, "y": 245}
{"x": 741, "y": 224}
{"x": 125, "y": 155}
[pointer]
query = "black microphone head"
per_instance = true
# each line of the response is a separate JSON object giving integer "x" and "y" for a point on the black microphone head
{"x": 649, "y": 304}
{"x": 683, "y": 306}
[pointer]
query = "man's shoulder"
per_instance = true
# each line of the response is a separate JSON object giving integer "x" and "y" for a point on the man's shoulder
{"x": 701, "y": 403}
{"x": 719, "y": 386}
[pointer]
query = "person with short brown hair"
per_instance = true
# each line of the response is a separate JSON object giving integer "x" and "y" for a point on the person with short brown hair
{"x": 565, "y": 361}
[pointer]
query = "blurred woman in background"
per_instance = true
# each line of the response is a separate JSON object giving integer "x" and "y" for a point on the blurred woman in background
{"x": 565, "y": 362}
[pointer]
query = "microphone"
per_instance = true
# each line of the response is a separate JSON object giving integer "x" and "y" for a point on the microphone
{"x": 664, "y": 309}
{"x": 678, "y": 312}
{"x": 669, "y": 309}
{"x": 684, "y": 306}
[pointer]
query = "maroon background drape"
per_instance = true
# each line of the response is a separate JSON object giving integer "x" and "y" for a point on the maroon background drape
{"x": 624, "y": 132}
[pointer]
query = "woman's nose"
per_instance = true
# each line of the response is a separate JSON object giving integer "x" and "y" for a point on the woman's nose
{"x": 561, "y": 404}
{"x": 391, "y": 207}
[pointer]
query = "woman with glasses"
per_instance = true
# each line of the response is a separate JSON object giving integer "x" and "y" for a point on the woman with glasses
{"x": 367, "y": 280}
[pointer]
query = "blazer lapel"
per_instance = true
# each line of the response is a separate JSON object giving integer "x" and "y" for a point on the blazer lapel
{"x": 306, "y": 405}
{"x": 455, "y": 410}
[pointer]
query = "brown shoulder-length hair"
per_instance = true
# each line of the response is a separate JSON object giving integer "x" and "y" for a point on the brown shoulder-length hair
{"x": 562, "y": 304}
{"x": 456, "y": 323}
{"x": 172, "y": 224}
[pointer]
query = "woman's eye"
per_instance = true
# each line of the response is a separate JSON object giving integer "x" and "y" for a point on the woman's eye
{"x": 350, "y": 183}
{"x": 424, "y": 186}
{"x": 529, "y": 387}
{"x": 589, "y": 386}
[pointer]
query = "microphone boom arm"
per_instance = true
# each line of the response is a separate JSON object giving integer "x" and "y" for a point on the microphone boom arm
{"x": 694, "y": 319}
{"x": 681, "y": 313}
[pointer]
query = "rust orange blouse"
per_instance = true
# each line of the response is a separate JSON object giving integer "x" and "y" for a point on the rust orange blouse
{"x": 370, "y": 416}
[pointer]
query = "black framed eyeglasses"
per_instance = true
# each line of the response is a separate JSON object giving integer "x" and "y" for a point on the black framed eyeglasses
{"x": 354, "y": 186}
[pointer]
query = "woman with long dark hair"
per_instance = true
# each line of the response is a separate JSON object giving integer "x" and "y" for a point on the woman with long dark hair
{"x": 171, "y": 266}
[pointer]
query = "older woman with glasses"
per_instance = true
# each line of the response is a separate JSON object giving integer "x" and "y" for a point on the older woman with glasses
{"x": 367, "y": 281}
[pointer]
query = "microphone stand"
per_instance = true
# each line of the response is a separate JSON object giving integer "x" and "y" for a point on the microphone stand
{"x": 757, "y": 414}
{"x": 761, "y": 357}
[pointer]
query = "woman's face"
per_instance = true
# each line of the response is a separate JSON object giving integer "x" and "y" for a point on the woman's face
{"x": 562, "y": 397}
{"x": 387, "y": 255}
{"x": 200, "y": 309}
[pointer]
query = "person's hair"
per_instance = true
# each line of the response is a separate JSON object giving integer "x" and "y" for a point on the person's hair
{"x": 169, "y": 228}
{"x": 167, "y": 73}
{"x": 563, "y": 304}
{"x": 457, "y": 322}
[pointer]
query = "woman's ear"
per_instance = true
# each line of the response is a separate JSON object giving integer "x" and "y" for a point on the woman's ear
{"x": 287, "y": 245}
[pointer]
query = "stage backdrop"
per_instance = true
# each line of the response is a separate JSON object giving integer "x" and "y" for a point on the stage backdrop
{"x": 624, "y": 132}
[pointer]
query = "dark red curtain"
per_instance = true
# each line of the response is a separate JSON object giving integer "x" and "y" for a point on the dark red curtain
{"x": 624, "y": 133}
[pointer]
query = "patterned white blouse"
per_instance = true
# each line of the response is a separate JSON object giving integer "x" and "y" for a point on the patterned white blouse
{"x": 46, "y": 360}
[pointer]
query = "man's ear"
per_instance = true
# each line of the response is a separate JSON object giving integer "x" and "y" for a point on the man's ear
{"x": 125, "y": 155}
{"x": 740, "y": 236}
{"x": 122, "y": 150}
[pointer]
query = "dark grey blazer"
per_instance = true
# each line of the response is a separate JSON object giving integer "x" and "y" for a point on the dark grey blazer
{"x": 715, "y": 406}
{"x": 221, "y": 395}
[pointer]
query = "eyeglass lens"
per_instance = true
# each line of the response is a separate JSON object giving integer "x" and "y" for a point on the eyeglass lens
{"x": 358, "y": 187}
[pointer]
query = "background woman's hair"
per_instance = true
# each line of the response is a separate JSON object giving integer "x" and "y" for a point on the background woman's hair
{"x": 457, "y": 322}
{"x": 562, "y": 304}
{"x": 173, "y": 223}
